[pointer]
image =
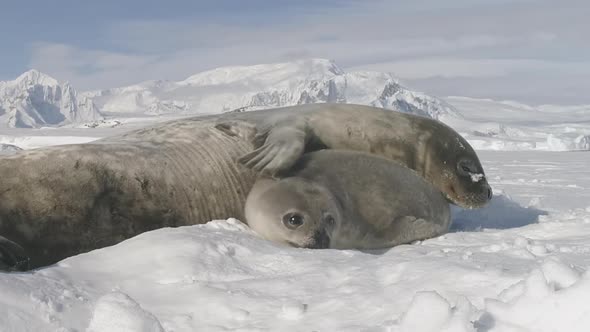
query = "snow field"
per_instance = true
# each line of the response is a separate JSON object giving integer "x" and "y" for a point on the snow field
{"x": 512, "y": 266}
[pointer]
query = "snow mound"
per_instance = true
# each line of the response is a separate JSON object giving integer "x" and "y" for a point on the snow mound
{"x": 117, "y": 312}
{"x": 440, "y": 316}
{"x": 6, "y": 149}
{"x": 35, "y": 99}
{"x": 567, "y": 142}
{"x": 551, "y": 298}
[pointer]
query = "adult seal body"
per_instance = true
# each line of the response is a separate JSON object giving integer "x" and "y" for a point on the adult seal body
{"x": 347, "y": 200}
{"x": 60, "y": 201}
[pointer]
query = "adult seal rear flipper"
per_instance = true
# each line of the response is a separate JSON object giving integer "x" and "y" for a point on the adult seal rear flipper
{"x": 278, "y": 143}
{"x": 12, "y": 256}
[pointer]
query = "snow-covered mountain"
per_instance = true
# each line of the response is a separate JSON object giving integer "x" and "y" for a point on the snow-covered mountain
{"x": 35, "y": 99}
{"x": 269, "y": 85}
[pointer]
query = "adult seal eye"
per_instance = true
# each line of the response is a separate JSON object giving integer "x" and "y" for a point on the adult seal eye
{"x": 329, "y": 219}
{"x": 293, "y": 220}
{"x": 465, "y": 167}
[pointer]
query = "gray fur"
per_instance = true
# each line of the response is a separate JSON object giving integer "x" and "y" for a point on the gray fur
{"x": 374, "y": 202}
{"x": 60, "y": 201}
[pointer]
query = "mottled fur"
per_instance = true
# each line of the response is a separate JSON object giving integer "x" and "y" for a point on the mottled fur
{"x": 374, "y": 202}
{"x": 60, "y": 201}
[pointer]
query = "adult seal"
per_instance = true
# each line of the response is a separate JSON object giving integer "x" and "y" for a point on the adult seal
{"x": 347, "y": 200}
{"x": 60, "y": 201}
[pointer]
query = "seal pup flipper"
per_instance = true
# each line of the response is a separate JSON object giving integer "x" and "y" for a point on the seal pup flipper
{"x": 12, "y": 256}
{"x": 277, "y": 146}
{"x": 411, "y": 228}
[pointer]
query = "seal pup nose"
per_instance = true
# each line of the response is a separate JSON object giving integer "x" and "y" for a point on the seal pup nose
{"x": 321, "y": 240}
{"x": 490, "y": 193}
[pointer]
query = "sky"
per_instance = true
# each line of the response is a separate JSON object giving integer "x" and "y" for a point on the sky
{"x": 532, "y": 51}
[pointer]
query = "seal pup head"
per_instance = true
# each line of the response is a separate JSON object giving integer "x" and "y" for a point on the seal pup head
{"x": 293, "y": 211}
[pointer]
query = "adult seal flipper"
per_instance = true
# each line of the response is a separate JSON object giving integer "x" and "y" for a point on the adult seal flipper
{"x": 278, "y": 143}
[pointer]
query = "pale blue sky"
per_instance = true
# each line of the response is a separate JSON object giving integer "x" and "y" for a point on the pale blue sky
{"x": 535, "y": 51}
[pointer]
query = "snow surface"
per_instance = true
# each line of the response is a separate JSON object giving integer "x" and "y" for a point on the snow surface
{"x": 520, "y": 264}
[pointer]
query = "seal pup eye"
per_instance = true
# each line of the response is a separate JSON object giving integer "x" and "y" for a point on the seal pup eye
{"x": 293, "y": 220}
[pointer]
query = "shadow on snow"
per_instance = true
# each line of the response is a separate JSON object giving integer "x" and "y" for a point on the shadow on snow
{"x": 501, "y": 213}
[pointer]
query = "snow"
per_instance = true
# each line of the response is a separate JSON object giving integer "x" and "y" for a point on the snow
{"x": 117, "y": 312}
{"x": 8, "y": 149}
{"x": 519, "y": 264}
{"x": 531, "y": 276}
{"x": 511, "y": 126}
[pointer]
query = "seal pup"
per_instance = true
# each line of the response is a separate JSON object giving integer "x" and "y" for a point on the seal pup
{"x": 357, "y": 200}
{"x": 60, "y": 201}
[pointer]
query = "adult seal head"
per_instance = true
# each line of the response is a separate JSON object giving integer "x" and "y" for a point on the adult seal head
{"x": 434, "y": 150}
{"x": 358, "y": 200}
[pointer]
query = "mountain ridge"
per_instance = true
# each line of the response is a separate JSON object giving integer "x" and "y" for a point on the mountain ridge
{"x": 35, "y": 99}
{"x": 269, "y": 85}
